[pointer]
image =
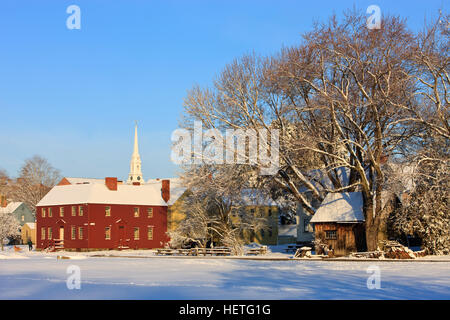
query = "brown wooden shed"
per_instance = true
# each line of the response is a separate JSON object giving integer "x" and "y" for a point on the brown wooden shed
{"x": 339, "y": 222}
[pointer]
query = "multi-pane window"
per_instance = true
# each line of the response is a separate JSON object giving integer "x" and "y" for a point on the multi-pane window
{"x": 61, "y": 211}
{"x": 22, "y": 218}
{"x": 50, "y": 212}
{"x": 136, "y": 212}
{"x": 150, "y": 233}
{"x": 107, "y": 233}
{"x": 331, "y": 234}
{"x": 73, "y": 233}
{"x": 136, "y": 233}
{"x": 44, "y": 212}
{"x": 107, "y": 211}
{"x": 74, "y": 211}
{"x": 43, "y": 233}
{"x": 80, "y": 211}
{"x": 50, "y": 233}
{"x": 80, "y": 233}
{"x": 150, "y": 212}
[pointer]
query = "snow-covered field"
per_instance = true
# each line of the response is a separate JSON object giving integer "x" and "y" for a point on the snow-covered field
{"x": 33, "y": 275}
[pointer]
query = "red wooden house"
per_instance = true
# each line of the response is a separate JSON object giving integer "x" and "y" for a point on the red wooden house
{"x": 103, "y": 214}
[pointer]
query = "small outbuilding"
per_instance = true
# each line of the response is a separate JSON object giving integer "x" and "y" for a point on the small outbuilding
{"x": 339, "y": 223}
{"x": 29, "y": 232}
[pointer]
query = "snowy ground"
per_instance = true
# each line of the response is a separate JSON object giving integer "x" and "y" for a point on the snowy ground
{"x": 35, "y": 275}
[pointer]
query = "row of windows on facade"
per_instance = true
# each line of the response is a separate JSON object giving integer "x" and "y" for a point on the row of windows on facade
{"x": 136, "y": 233}
{"x": 80, "y": 211}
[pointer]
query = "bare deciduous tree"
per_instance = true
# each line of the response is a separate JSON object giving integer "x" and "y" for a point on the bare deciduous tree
{"x": 9, "y": 226}
{"x": 345, "y": 100}
{"x": 215, "y": 209}
{"x": 37, "y": 176}
{"x": 4, "y": 180}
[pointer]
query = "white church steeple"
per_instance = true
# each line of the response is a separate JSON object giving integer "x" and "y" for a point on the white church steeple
{"x": 135, "y": 163}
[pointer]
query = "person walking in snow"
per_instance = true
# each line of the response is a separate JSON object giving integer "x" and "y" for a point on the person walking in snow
{"x": 30, "y": 245}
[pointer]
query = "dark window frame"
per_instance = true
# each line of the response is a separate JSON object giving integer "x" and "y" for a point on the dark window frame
{"x": 331, "y": 234}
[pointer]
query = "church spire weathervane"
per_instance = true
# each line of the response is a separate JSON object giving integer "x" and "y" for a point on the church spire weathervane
{"x": 135, "y": 163}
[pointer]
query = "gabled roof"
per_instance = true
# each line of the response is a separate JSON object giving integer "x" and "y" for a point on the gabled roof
{"x": 97, "y": 193}
{"x": 10, "y": 207}
{"x": 177, "y": 189}
{"x": 340, "y": 207}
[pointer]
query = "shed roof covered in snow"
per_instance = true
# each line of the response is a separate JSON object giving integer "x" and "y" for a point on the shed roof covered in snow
{"x": 343, "y": 207}
{"x": 96, "y": 193}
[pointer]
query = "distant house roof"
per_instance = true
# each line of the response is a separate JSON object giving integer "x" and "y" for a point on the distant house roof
{"x": 340, "y": 207}
{"x": 287, "y": 230}
{"x": 10, "y": 207}
{"x": 177, "y": 189}
{"x": 405, "y": 174}
{"x": 31, "y": 225}
{"x": 97, "y": 193}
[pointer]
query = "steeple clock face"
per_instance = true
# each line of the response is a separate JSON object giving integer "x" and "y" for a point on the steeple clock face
{"x": 139, "y": 178}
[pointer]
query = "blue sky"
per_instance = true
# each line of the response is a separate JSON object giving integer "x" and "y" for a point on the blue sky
{"x": 72, "y": 95}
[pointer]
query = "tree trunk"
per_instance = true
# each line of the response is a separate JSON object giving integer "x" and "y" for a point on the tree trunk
{"x": 371, "y": 225}
{"x": 371, "y": 237}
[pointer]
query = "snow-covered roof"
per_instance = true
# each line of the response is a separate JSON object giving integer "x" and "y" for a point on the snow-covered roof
{"x": 177, "y": 189}
{"x": 31, "y": 225}
{"x": 405, "y": 174}
{"x": 147, "y": 194}
{"x": 340, "y": 207}
{"x": 10, "y": 207}
{"x": 287, "y": 230}
{"x": 85, "y": 180}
